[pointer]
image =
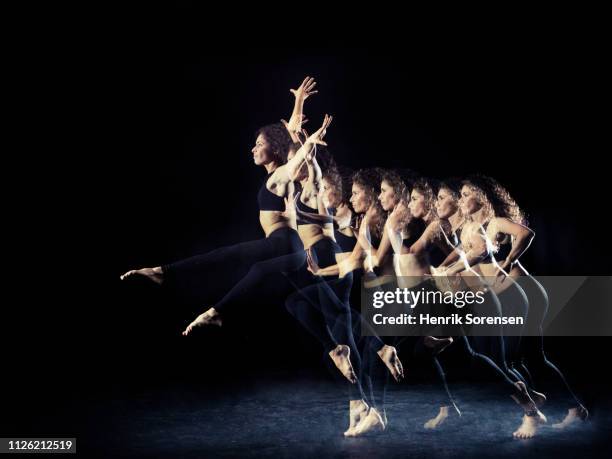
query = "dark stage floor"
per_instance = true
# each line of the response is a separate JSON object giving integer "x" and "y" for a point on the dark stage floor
{"x": 307, "y": 418}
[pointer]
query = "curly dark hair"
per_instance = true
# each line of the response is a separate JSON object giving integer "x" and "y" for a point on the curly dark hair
{"x": 401, "y": 180}
{"x": 394, "y": 180}
{"x": 369, "y": 180}
{"x": 279, "y": 139}
{"x": 429, "y": 189}
{"x": 453, "y": 185}
{"x": 495, "y": 198}
{"x": 339, "y": 182}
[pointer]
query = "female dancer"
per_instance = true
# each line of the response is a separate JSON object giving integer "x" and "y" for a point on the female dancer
{"x": 509, "y": 237}
{"x": 363, "y": 198}
{"x": 272, "y": 146}
{"x": 467, "y": 232}
{"x": 512, "y": 300}
{"x": 322, "y": 307}
{"x": 282, "y": 250}
{"x": 421, "y": 246}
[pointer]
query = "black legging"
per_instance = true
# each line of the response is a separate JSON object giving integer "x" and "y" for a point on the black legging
{"x": 238, "y": 257}
{"x": 323, "y": 309}
{"x": 281, "y": 251}
{"x": 534, "y": 362}
{"x": 492, "y": 344}
{"x": 415, "y": 344}
{"x": 377, "y": 375}
{"x": 514, "y": 303}
{"x": 487, "y": 352}
{"x": 487, "y": 364}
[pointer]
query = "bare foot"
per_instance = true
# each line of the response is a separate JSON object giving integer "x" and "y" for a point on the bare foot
{"x": 341, "y": 357}
{"x": 532, "y": 418}
{"x": 372, "y": 422}
{"x": 210, "y": 317}
{"x": 438, "y": 420}
{"x": 579, "y": 413}
{"x": 388, "y": 354}
{"x": 529, "y": 426}
{"x": 155, "y": 274}
{"x": 358, "y": 410}
{"x": 437, "y": 345}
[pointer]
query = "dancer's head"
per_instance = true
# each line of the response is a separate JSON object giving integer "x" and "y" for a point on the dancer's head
{"x": 447, "y": 202}
{"x": 422, "y": 199}
{"x": 392, "y": 190}
{"x": 333, "y": 188}
{"x": 272, "y": 145}
{"x": 364, "y": 197}
{"x": 395, "y": 187}
{"x": 336, "y": 189}
{"x": 364, "y": 190}
{"x": 482, "y": 192}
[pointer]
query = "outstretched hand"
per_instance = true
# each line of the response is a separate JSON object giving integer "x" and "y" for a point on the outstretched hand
{"x": 305, "y": 89}
{"x": 317, "y": 136}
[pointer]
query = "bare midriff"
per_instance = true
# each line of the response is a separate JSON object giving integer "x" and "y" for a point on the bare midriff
{"x": 310, "y": 234}
{"x": 272, "y": 220}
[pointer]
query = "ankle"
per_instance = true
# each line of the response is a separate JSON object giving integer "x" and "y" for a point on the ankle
{"x": 358, "y": 405}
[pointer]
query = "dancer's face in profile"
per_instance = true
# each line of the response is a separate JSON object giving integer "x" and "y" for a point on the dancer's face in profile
{"x": 417, "y": 205}
{"x": 262, "y": 153}
{"x": 469, "y": 202}
{"x": 359, "y": 199}
{"x": 387, "y": 196}
{"x": 446, "y": 204}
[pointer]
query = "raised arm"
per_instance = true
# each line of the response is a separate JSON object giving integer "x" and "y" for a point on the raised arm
{"x": 312, "y": 187}
{"x": 294, "y": 126}
{"x": 283, "y": 174}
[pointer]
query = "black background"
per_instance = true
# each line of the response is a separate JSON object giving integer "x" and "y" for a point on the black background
{"x": 144, "y": 158}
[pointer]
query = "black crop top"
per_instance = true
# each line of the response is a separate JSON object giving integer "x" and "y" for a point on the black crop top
{"x": 436, "y": 255}
{"x": 304, "y": 208}
{"x": 268, "y": 200}
{"x": 346, "y": 243}
{"x": 414, "y": 231}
